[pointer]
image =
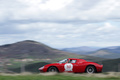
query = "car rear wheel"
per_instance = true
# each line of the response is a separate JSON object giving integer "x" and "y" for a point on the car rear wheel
{"x": 52, "y": 69}
{"x": 90, "y": 69}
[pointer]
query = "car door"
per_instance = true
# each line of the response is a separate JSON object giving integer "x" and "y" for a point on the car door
{"x": 69, "y": 66}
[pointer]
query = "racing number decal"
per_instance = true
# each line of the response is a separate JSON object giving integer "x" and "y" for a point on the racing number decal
{"x": 68, "y": 67}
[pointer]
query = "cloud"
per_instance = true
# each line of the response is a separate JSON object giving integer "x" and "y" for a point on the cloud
{"x": 61, "y": 11}
{"x": 67, "y": 34}
{"x": 61, "y": 23}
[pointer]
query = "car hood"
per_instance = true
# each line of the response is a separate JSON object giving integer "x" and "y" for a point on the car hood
{"x": 53, "y": 64}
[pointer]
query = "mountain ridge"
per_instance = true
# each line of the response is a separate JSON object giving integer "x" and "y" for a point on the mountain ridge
{"x": 108, "y": 52}
{"x": 83, "y": 50}
{"x": 111, "y": 52}
{"x": 29, "y": 49}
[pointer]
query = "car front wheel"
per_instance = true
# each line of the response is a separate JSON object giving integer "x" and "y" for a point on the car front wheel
{"x": 52, "y": 69}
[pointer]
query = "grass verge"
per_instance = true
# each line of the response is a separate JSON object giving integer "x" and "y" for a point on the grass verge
{"x": 52, "y": 76}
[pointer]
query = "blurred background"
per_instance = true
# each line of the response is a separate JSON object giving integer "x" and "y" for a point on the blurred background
{"x": 34, "y": 33}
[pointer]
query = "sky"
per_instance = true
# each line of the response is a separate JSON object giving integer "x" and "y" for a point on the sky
{"x": 61, "y": 23}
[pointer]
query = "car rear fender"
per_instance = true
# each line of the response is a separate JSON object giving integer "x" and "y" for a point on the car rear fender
{"x": 93, "y": 66}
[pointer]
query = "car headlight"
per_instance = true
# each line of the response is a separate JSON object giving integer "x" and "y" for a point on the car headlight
{"x": 42, "y": 67}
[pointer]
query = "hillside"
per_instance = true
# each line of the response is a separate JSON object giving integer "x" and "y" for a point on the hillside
{"x": 109, "y": 52}
{"x": 30, "y": 68}
{"x": 111, "y": 65}
{"x": 30, "y": 49}
{"x": 34, "y": 50}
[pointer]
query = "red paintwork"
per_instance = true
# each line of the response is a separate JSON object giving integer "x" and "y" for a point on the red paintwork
{"x": 78, "y": 67}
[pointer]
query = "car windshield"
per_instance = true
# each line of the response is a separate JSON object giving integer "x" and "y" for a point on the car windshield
{"x": 63, "y": 61}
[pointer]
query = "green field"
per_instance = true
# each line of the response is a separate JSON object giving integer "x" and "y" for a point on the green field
{"x": 55, "y": 77}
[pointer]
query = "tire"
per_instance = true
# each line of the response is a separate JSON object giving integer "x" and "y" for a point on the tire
{"x": 90, "y": 69}
{"x": 52, "y": 69}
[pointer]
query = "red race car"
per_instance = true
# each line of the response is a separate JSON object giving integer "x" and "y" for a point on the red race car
{"x": 72, "y": 65}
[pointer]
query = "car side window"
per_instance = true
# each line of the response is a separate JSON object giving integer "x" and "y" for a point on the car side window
{"x": 72, "y": 61}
